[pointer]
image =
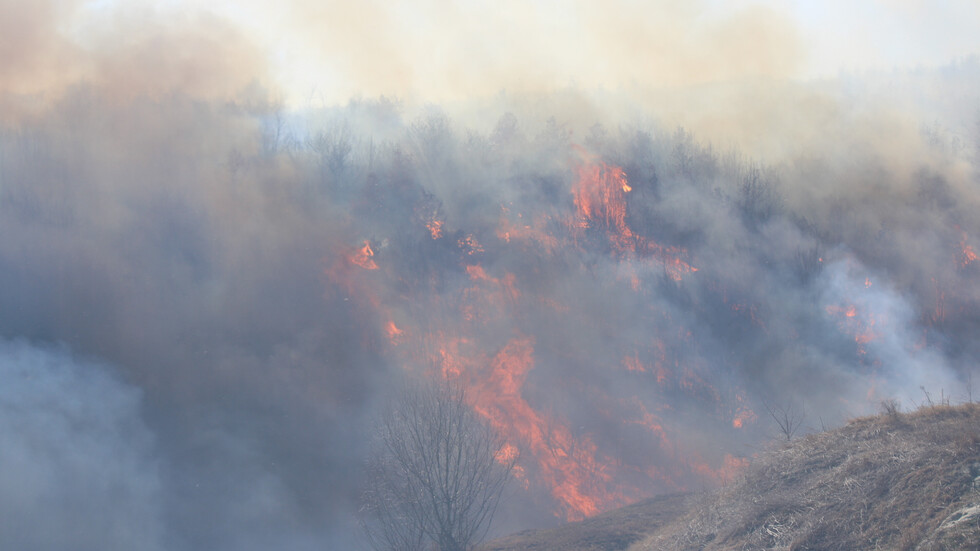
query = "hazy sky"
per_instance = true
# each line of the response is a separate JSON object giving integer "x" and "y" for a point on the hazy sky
{"x": 434, "y": 48}
{"x": 328, "y": 50}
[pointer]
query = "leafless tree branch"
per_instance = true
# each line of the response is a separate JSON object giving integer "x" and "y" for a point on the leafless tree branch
{"x": 437, "y": 474}
{"x": 788, "y": 418}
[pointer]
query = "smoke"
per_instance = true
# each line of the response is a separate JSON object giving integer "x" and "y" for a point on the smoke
{"x": 247, "y": 281}
{"x": 131, "y": 235}
{"x": 33, "y": 51}
{"x": 78, "y": 468}
{"x": 884, "y": 327}
{"x": 433, "y": 51}
{"x": 129, "y": 52}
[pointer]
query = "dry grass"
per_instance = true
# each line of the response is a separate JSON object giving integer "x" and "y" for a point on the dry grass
{"x": 906, "y": 481}
{"x": 612, "y": 531}
{"x": 900, "y": 481}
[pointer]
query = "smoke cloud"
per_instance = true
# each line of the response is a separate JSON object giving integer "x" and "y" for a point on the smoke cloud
{"x": 437, "y": 52}
{"x": 77, "y": 459}
{"x": 206, "y": 290}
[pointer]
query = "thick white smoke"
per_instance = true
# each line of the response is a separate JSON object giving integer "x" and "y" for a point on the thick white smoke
{"x": 894, "y": 359}
{"x": 78, "y": 467}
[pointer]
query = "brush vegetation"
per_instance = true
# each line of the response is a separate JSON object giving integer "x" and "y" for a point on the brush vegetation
{"x": 904, "y": 481}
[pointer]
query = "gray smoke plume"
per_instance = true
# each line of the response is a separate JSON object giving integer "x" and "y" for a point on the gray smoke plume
{"x": 78, "y": 468}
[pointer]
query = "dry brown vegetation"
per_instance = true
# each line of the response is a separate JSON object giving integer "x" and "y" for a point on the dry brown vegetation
{"x": 908, "y": 481}
{"x": 904, "y": 481}
{"x": 611, "y": 531}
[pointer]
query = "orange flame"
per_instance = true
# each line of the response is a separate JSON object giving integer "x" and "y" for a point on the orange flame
{"x": 860, "y": 327}
{"x": 632, "y": 363}
{"x": 470, "y": 245}
{"x": 599, "y": 194}
{"x": 743, "y": 414}
{"x": 967, "y": 254}
{"x": 449, "y": 336}
{"x": 394, "y": 333}
{"x": 742, "y": 417}
{"x": 435, "y": 228}
{"x": 730, "y": 467}
{"x": 362, "y": 257}
{"x": 518, "y": 230}
{"x": 569, "y": 466}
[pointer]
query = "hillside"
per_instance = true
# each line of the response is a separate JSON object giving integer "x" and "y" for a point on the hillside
{"x": 613, "y": 530}
{"x": 908, "y": 481}
{"x": 899, "y": 481}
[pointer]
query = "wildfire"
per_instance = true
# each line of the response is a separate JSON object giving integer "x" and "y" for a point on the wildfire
{"x": 599, "y": 194}
{"x": 536, "y": 232}
{"x": 572, "y": 467}
{"x": 731, "y": 466}
{"x": 482, "y": 300}
{"x": 742, "y": 417}
{"x": 394, "y": 333}
{"x": 435, "y": 228}
{"x": 860, "y": 327}
{"x": 475, "y": 324}
{"x": 743, "y": 414}
{"x": 860, "y": 324}
{"x": 470, "y": 245}
{"x": 633, "y": 363}
{"x": 967, "y": 254}
{"x": 477, "y": 273}
{"x": 649, "y": 421}
{"x": 363, "y": 257}
{"x": 507, "y": 284}
{"x": 509, "y": 453}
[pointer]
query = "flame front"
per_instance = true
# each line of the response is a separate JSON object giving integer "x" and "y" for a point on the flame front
{"x": 363, "y": 257}
{"x": 860, "y": 327}
{"x": 435, "y": 228}
{"x": 571, "y": 467}
{"x": 489, "y": 328}
{"x": 599, "y": 193}
{"x": 967, "y": 255}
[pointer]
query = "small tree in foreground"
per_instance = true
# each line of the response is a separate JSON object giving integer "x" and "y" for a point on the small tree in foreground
{"x": 436, "y": 475}
{"x": 788, "y": 418}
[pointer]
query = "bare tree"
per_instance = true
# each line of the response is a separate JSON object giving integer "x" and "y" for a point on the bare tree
{"x": 788, "y": 418}
{"x": 437, "y": 474}
{"x": 891, "y": 407}
{"x": 333, "y": 148}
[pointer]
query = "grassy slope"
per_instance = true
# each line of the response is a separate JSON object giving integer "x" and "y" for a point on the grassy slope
{"x": 901, "y": 481}
{"x": 611, "y": 531}
{"x": 905, "y": 481}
